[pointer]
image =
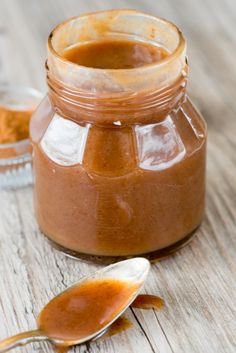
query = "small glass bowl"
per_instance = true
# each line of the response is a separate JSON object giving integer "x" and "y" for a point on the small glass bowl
{"x": 15, "y": 158}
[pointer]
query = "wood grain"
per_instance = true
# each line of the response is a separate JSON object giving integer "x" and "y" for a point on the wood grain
{"x": 199, "y": 282}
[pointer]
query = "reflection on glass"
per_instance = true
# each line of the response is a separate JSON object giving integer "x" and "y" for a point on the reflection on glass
{"x": 64, "y": 141}
{"x": 159, "y": 145}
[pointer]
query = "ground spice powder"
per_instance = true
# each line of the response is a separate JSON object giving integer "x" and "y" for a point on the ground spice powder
{"x": 14, "y": 124}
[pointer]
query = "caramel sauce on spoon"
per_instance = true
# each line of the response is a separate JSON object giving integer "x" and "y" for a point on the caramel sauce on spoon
{"x": 143, "y": 301}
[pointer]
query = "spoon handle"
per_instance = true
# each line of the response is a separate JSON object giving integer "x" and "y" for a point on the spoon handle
{"x": 21, "y": 339}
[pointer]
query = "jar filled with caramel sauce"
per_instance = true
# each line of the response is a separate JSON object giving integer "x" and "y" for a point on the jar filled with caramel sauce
{"x": 118, "y": 148}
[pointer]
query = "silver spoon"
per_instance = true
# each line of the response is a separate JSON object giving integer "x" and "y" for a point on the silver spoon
{"x": 134, "y": 271}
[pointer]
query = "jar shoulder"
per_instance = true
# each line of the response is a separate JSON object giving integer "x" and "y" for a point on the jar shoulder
{"x": 116, "y": 150}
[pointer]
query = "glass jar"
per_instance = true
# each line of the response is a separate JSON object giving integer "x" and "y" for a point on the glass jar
{"x": 118, "y": 155}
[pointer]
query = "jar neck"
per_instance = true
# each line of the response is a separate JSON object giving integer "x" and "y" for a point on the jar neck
{"x": 140, "y": 95}
{"x": 117, "y": 108}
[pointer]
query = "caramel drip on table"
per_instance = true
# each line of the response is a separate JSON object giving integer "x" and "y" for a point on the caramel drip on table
{"x": 148, "y": 301}
{"x": 120, "y": 325}
{"x": 61, "y": 349}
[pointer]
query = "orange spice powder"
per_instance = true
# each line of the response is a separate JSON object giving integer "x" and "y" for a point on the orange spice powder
{"x": 14, "y": 124}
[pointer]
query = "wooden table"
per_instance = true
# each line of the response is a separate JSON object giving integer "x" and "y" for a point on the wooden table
{"x": 199, "y": 282}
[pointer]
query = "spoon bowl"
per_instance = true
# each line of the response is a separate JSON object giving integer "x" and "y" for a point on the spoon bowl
{"x": 129, "y": 277}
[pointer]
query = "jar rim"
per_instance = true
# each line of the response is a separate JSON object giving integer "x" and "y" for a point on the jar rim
{"x": 164, "y": 61}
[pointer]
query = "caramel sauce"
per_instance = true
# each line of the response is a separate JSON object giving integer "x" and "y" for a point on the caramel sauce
{"x": 148, "y": 301}
{"x": 114, "y": 54}
{"x": 84, "y": 309}
{"x": 143, "y": 301}
{"x": 120, "y": 325}
{"x": 61, "y": 349}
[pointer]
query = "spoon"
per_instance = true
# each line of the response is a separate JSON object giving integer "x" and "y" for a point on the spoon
{"x": 96, "y": 300}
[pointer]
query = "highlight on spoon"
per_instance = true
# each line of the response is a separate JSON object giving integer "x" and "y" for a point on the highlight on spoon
{"x": 133, "y": 270}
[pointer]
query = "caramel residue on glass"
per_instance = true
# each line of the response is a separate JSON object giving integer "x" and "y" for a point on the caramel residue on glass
{"x": 14, "y": 124}
{"x": 148, "y": 301}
